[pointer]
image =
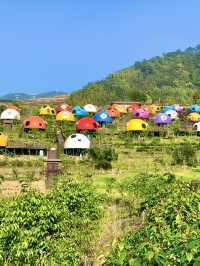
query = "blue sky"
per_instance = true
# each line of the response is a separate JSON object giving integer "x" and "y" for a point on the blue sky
{"x": 62, "y": 45}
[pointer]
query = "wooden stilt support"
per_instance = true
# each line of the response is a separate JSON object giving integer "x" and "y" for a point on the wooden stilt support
{"x": 52, "y": 167}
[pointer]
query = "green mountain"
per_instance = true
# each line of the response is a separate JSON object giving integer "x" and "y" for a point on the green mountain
{"x": 171, "y": 77}
{"x": 25, "y": 96}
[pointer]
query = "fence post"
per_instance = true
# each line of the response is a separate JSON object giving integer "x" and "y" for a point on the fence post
{"x": 52, "y": 166}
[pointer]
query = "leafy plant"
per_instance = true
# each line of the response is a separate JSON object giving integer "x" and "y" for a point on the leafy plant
{"x": 103, "y": 157}
{"x": 184, "y": 154}
{"x": 51, "y": 229}
{"x": 170, "y": 234}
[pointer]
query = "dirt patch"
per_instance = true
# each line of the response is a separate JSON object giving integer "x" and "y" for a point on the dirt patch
{"x": 116, "y": 225}
{"x": 10, "y": 188}
{"x": 39, "y": 186}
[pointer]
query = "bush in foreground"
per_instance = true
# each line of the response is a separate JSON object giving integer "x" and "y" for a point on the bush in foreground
{"x": 51, "y": 229}
{"x": 103, "y": 157}
{"x": 170, "y": 233}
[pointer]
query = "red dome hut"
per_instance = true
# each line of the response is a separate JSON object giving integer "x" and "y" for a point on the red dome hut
{"x": 87, "y": 124}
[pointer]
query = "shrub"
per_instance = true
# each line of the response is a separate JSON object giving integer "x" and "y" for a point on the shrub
{"x": 110, "y": 182}
{"x": 17, "y": 163}
{"x": 51, "y": 229}
{"x": 2, "y": 178}
{"x": 175, "y": 126}
{"x": 170, "y": 233}
{"x": 184, "y": 154}
{"x": 103, "y": 157}
{"x": 2, "y": 108}
{"x": 3, "y": 163}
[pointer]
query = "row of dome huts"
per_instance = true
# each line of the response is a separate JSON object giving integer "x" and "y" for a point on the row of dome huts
{"x": 64, "y": 112}
{"x": 90, "y": 117}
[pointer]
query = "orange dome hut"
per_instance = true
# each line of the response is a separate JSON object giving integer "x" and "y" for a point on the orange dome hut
{"x": 63, "y": 107}
{"x": 35, "y": 122}
{"x": 113, "y": 112}
{"x": 154, "y": 108}
{"x": 14, "y": 107}
{"x": 134, "y": 106}
{"x": 120, "y": 108}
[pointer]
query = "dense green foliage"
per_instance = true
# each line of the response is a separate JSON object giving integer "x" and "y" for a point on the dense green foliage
{"x": 184, "y": 154}
{"x": 103, "y": 157}
{"x": 170, "y": 232}
{"x": 172, "y": 77}
{"x": 51, "y": 229}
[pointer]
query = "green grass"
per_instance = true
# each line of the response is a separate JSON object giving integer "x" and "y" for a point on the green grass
{"x": 136, "y": 155}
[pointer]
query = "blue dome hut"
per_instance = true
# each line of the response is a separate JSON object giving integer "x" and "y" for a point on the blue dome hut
{"x": 103, "y": 118}
{"x": 79, "y": 111}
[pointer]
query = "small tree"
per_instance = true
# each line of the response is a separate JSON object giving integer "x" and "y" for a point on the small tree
{"x": 184, "y": 154}
{"x": 2, "y": 107}
{"x": 103, "y": 157}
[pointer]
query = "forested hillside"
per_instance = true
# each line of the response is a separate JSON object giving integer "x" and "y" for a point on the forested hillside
{"x": 171, "y": 77}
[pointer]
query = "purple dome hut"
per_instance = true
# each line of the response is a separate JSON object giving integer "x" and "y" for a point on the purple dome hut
{"x": 162, "y": 119}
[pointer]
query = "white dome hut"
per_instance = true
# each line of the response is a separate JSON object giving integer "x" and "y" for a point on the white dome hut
{"x": 76, "y": 144}
{"x": 10, "y": 114}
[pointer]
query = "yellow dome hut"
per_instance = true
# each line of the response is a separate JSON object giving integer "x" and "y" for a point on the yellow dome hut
{"x": 47, "y": 110}
{"x": 65, "y": 116}
{"x": 137, "y": 125}
{"x": 120, "y": 108}
{"x": 195, "y": 117}
{"x": 3, "y": 140}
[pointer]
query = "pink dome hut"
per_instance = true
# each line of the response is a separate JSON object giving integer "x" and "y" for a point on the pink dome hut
{"x": 141, "y": 113}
